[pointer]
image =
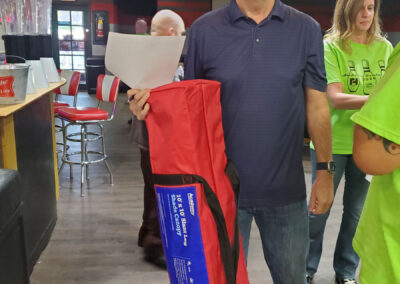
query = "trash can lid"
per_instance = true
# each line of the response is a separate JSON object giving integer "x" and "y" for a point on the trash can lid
{"x": 99, "y": 60}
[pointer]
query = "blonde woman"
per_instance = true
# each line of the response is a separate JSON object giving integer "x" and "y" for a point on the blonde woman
{"x": 356, "y": 55}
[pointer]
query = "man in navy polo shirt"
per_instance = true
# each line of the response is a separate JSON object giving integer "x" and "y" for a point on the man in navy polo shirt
{"x": 269, "y": 59}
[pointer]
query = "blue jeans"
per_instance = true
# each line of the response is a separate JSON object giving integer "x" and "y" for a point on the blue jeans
{"x": 284, "y": 236}
{"x": 345, "y": 260}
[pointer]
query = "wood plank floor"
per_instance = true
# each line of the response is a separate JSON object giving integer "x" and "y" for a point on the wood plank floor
{"x": 95, "y": 239}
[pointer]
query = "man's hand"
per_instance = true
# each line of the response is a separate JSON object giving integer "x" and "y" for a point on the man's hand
{"x": 138, "y": 102}
{"x": 321, "y": 193}
{"x": 319, "y": 127}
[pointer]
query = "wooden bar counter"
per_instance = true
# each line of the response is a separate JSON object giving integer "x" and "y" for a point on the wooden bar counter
{"x": 27, "y": 141}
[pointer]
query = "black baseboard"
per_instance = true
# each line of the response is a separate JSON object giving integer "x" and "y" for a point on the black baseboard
{"x": 41, "y": 245}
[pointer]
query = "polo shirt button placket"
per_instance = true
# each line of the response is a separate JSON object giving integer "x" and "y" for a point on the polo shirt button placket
{"x": 257, "y": 30}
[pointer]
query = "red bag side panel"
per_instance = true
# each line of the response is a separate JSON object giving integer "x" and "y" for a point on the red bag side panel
{"x": 186, "y": 137}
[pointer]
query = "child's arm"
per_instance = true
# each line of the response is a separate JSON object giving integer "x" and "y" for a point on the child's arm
{"x": 374, "y": 154}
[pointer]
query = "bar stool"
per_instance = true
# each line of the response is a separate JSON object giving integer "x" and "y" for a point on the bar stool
{"x": 70, "y": 88}
{"x": 107, "y": 92}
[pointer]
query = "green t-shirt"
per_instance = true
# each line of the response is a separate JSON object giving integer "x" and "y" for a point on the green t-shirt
{"x": 377, "y": 239}
{"x": 358, "y": 72}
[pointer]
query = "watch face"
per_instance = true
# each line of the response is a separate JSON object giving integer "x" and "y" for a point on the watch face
{"x": 331, "y": 166}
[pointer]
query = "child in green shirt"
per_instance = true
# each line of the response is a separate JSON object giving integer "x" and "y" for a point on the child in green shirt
{"x": 377, "y": 151}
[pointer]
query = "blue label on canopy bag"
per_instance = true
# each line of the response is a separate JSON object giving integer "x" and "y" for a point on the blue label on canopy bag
{"x": 181, "y": 234}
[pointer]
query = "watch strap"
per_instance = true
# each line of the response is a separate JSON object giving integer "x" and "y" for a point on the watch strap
{"x": 328, "y": 166}
{"x": 323, "y": 166}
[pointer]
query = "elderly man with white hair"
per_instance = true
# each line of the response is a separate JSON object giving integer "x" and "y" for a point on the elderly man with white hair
{"x": 164, "y": 23}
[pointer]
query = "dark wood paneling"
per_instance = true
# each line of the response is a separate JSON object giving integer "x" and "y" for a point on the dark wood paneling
{"x": 33, "y": 136}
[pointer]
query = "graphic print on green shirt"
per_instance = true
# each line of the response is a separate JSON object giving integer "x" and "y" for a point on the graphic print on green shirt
{"x": 369, "y": 79}
{"x": 359, "y": 72}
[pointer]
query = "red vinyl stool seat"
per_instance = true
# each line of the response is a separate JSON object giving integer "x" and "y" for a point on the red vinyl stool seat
{"x": 58, "y": 105}
{"x": 83, "y": 113}
{"x": 107, "y": 91}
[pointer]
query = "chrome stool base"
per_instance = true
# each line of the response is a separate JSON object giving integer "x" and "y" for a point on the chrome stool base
{"x": 84, "y": 153}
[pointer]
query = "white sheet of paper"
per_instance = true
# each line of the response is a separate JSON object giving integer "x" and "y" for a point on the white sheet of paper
{"x": 142, "y": 61}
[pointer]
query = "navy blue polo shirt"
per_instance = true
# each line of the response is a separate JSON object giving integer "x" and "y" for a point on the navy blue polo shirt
{"x": 263, "y": 69}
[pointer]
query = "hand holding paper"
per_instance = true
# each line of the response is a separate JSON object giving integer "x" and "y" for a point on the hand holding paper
{"x": 138, "y": 102}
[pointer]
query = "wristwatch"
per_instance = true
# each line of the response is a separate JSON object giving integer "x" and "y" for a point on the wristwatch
{"x": 328, "y": 166}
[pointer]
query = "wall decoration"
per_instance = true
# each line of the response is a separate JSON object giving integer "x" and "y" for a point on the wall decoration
{"x": 100, "y": 27}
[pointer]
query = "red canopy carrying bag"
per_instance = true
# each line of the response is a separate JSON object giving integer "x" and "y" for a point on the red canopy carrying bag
{"x": 195, "y": 185}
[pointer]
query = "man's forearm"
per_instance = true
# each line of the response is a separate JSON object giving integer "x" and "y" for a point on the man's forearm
{"x": 319, "y": 124}
{"x": 319, "y": 128}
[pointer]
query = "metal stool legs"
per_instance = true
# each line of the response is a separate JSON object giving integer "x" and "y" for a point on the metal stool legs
{"x": 65, "y": 149}
{"x": 83, "y": 155}
{"x": 84, "y": 137}
{"x": 60, "y": 128}
{"x": 104, "y": 153}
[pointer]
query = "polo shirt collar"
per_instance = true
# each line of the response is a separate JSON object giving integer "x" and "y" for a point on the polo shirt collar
{"x": 277, "y": 11}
